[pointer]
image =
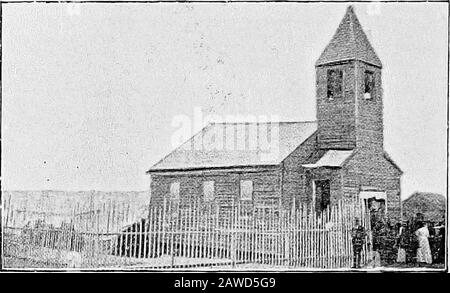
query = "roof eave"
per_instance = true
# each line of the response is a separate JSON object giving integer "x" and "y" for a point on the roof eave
{"x": 215, "y": 168}
{"x": 320, "y": 63}
{"x": 314, "y": 166}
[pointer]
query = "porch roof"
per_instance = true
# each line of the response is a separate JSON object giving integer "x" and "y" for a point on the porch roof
{"x": 332, "y": 158}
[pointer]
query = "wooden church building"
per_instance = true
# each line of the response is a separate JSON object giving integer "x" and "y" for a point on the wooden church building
{"x": 340, "y": 155}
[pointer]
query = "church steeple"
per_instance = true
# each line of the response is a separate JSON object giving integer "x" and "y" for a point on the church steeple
{"x": 349, "y": 43}
{"x": 349, "y": 91}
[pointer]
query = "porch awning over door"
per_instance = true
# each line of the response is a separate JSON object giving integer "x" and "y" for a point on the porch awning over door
{"x": 332, "y": 158}
{"x": 372, "y": 194}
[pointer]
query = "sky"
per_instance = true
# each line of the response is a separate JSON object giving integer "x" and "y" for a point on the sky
{"x": 91, "y": 93}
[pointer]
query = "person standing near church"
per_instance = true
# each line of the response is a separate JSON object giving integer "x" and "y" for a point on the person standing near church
{"x": 400, "y": 243}
{"x": 423, "y": 251}
{"x": 358, "y": 241}
{"x": 441, "y": 253}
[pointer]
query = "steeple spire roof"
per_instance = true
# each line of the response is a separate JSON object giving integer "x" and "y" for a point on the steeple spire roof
{"x": 349, "y": 43}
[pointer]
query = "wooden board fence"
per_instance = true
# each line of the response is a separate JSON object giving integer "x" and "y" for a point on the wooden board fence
{"x": 109, "y": 234}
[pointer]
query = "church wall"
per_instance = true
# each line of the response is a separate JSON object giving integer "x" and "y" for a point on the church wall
{"x": 373, "y": 170}
{"x": 336, "y": 117}
{"x": 369, "y": 112}
{"x": 332, "y": 174}
{"x": 294, "y": 181}
{"x": 266, "y": 186}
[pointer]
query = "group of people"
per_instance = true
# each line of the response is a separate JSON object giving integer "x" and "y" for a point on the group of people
{"x": 413, "y": 242}
{"x": 421, "y": 242}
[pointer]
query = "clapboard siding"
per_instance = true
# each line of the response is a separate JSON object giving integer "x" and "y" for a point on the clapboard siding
{"x": 366, "y": 169}
{"x": 294, "y": 180}
{"x": 369, "y": 112}
{"x": 336, "y": 118}
{"x": 351, "y": 120}
{"x": 332, "y": 174}
{"x": 266, "y": 186}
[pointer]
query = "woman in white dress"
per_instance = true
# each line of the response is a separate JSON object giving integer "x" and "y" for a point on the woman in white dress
{"x": 423, "y": 252}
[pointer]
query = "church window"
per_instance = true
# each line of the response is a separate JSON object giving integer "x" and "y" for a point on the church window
{"x": 175, "y": 191}
{"x": 246, "y": 188}
{"x": 208, "y": 190}
{"x": 334, "y": 83}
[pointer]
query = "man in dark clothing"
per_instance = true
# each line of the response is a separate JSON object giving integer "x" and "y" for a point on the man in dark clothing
{"x": 358, "y": 241}
{"x": 441, "y": 251}
{"x": 411, "y": 243}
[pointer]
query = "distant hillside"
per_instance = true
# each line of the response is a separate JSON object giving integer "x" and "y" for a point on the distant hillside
{"x": 432, "y": 205}
{"x": 60, "y": 199}
{"x": 57, "y": 206}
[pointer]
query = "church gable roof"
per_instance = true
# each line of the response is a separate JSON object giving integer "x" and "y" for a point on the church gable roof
{"x": 226, "y": 145}
{"x": 349, "y": 43}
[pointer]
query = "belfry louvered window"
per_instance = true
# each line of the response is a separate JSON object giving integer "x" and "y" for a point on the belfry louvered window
{"x": 369, "y": 84}
{"x": 334, "y": 83}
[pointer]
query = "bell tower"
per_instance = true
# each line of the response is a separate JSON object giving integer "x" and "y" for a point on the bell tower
{"x": 348, "y": 90}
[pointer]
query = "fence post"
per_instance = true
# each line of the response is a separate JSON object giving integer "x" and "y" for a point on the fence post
{"x": 234, "y": 233}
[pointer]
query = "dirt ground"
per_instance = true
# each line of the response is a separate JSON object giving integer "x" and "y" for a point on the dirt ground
{"x": 114, "y": 263}
{"x": 26, "y": 264}
{"x": 409, "y": 266}
{"x": 20, "y": 263}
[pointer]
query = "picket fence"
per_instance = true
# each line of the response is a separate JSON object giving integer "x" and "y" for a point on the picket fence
{"x": 109, "y": 235}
